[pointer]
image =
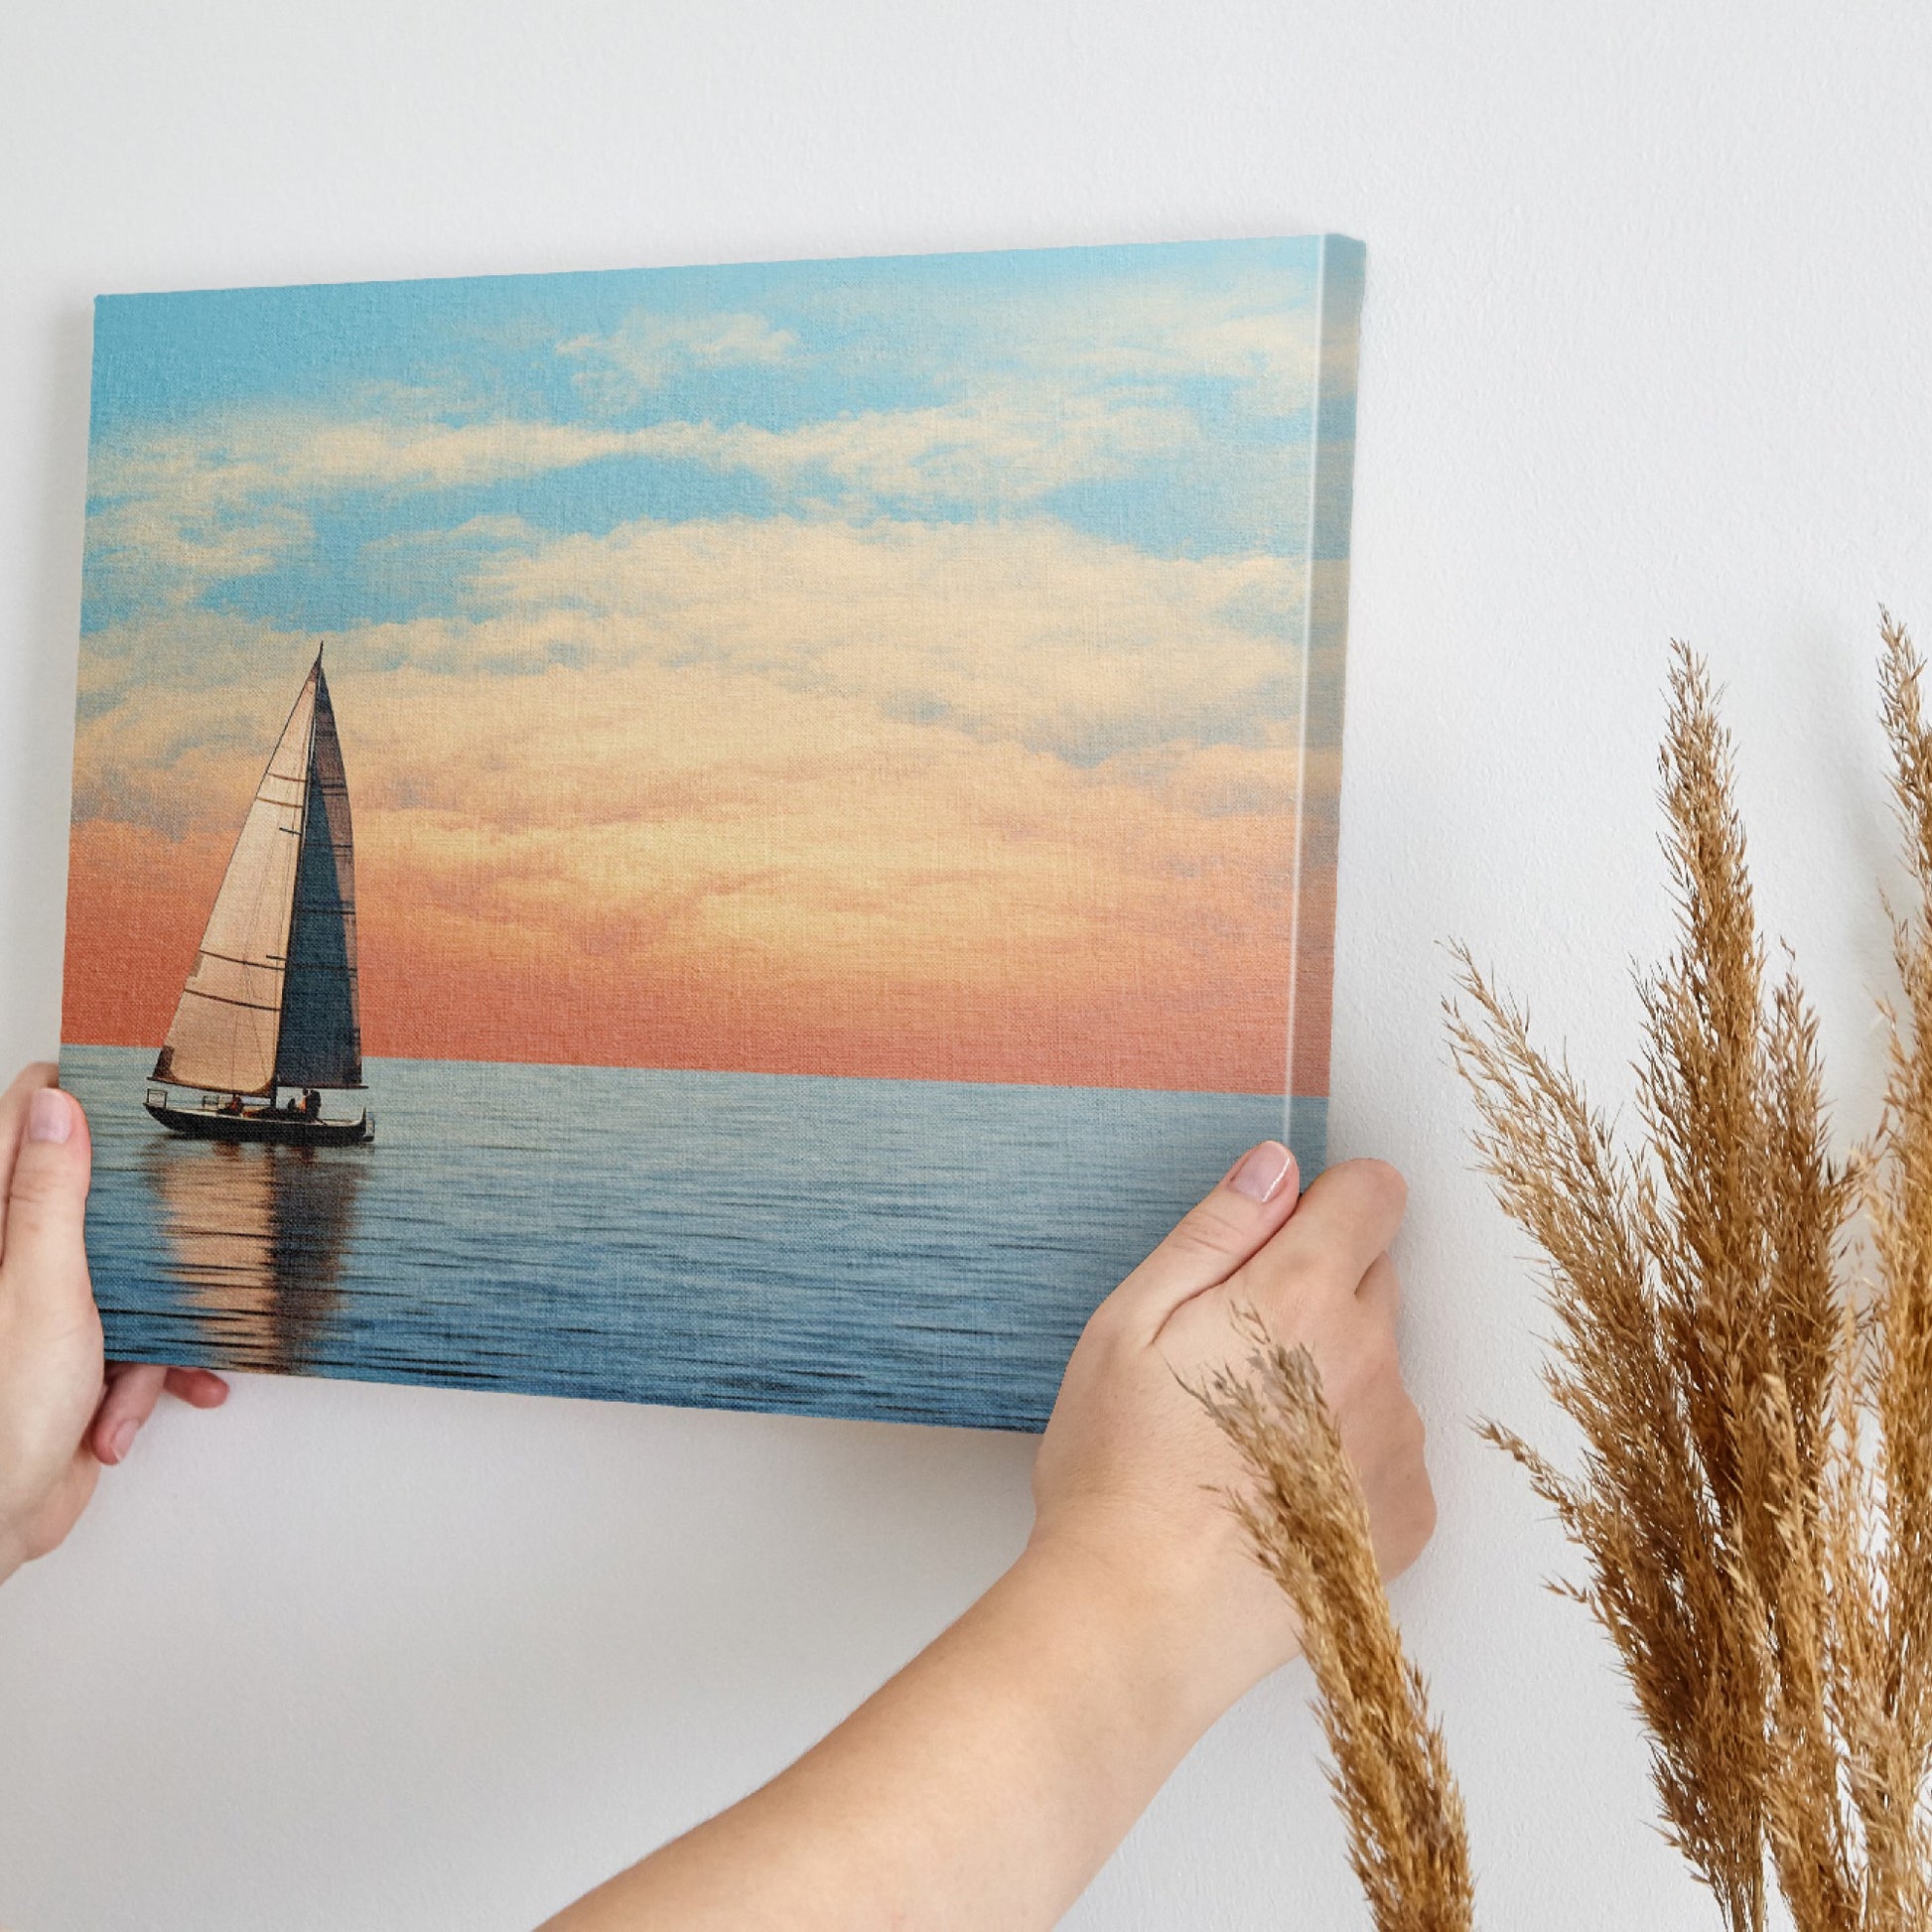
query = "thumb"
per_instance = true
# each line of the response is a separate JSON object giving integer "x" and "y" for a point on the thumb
{"x": 1237, "y": 1219}
{"x": 44, "y": 1264}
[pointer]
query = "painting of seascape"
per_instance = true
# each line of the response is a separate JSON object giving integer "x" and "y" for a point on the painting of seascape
{"x": 741, "y": 837}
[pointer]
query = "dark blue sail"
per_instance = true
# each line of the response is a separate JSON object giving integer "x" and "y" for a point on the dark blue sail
{"x": 321, "y": 1041}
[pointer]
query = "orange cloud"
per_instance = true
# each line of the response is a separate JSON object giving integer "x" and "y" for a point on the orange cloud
{"x": 1015, "y": 809}
{"x": 443, "y": 982}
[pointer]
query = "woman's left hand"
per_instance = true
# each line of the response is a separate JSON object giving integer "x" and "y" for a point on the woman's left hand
{"x": 64, "y": 1410}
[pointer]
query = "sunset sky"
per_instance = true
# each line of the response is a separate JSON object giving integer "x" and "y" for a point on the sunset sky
{"x": 876, "y": 668}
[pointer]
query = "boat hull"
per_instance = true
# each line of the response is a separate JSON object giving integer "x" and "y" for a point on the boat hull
{"x": 284, "y": 1130}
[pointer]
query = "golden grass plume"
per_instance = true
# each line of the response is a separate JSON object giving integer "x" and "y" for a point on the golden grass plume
{"x": 1308, "y": 1522}
{"x": 1754, "y": 1498}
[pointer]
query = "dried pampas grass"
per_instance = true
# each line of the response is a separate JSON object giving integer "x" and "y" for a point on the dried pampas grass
{"x": 1307, "y": 1519}
{"x": 1754, "y": 1391}
{"x": 1755, "y": 1496}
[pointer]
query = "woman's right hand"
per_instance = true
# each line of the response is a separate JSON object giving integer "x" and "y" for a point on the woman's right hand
{"x": 1130, "y": 1475}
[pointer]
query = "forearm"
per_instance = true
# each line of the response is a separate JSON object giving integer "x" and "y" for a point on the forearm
{"x": 990, "y": 1779}
{"x": 984, "y": 1785}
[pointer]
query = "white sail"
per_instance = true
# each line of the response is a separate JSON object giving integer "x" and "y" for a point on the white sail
{"x": 228, "y": 1034}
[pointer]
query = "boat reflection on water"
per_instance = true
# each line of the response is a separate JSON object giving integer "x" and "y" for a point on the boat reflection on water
{"x": 256, "y": 1235}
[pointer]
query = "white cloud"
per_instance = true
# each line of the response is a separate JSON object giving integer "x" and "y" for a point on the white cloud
{"x": 177, "y": 512}
{"x": 646, "y": 349}
{"x": 238, "y": 460}
{"x": 1019, "y": 630}
{"x": 1022, "y": 632}
{"x": 1151, "y": 336}
{"x": 1166, "y": 334}
{"x": 997, "y": 452}
{"x": 164, "y": 551}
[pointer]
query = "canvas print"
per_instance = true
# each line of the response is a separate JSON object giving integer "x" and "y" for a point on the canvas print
{"x": 737, "y": 836}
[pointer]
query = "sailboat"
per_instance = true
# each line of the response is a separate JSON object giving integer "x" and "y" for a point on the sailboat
{"x": 269, "y": 1020}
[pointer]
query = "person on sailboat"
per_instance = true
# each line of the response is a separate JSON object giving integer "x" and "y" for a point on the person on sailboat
{"x": 988, "y": 1781}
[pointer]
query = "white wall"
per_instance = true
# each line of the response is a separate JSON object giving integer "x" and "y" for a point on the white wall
{"x": 1645, "y": 354}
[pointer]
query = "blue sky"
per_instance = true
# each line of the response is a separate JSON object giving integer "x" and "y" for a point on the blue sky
{"x": 1183, "y": 367}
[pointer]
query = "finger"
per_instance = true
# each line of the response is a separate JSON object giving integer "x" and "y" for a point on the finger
{"x": 44, "y": 1264}
{"x": 133, "y": 1388}
{"x": 200, "y": 1388}
{"x": 13, "y": 1124}
{"x": 1348, "y": 1216}
{"x": 1380, "y": 1294}
{"x": 1250, "y": 1203}
{"x": 1388, "y": 1448}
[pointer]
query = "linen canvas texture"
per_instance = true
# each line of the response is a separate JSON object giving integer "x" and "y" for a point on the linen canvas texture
{"x": 740, "y": 836}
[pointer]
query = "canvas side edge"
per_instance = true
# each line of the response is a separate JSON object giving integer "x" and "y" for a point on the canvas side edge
{"x": 1325, "y": 640}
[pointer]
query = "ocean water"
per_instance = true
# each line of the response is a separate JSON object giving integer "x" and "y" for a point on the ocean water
{"x": 919, "y": 1250}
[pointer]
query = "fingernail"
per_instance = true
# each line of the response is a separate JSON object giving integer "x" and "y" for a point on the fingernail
{"x": 1261, "y": 1175}
{"x": 50, "y": 1115}
{"x": 122, "y": 1440}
